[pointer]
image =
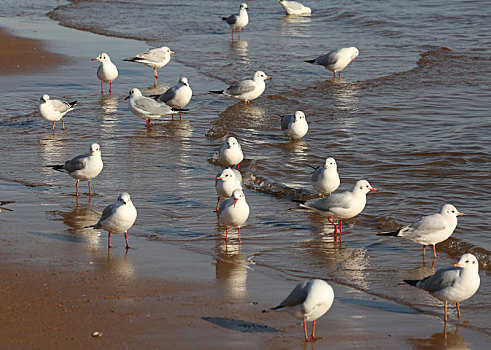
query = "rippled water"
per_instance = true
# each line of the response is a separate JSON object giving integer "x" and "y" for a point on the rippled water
{"x": 410, "y": 114}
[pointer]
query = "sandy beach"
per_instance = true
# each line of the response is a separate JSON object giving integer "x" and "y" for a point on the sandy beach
{"x": 57, "y": 288}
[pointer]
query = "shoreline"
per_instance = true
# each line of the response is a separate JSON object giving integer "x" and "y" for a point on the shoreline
{"x": 51, "y": 301}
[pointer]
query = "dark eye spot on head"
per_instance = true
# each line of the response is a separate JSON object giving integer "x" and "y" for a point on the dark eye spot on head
{"x": 473, "y": 262}
{"x": 467, "y": 261}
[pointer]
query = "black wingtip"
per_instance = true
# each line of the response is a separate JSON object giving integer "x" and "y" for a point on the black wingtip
{"x": 310, "y": 61}
{"x": 56, "y": 167}
{"x": 224, "y": 18}
{"x": 412, "y": 282}
{"x": 392, "y": 233}
{"x": 73, "y": 104}
{"x": 90, "y": 226}
{"x": 179, "y": 109}
{"x": 219, "y": 92}
{"x": 155, "y": 97}
{"x": 300, "y": 201}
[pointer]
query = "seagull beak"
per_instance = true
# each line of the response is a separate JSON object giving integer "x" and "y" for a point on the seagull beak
{"x": 460, "y": 214}
{"x": 373, "y": 189}
{"x": 457, "y": 265}
{"x": 235, "y": 201}
{"x": 325, "y": 166}
{"x": 219, "y": 178}
{"x": 229, "y": 147}
{"x": 94, "y": 59}
{"x": 172, "y": 52}
{"x": 127, "y": 97}
{"x": 351, "y": 60}
{"x": 269, "y": 78}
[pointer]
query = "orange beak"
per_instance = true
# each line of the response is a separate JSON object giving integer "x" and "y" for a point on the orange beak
{"x": 219, "y": 178}
{"x": 172, "y": 52}
{"x": 460, "y": 214}
{"x": 457, "y": 265}
{"x": 373, "y": 189}
{"x": 235, "y": 201}
{"x": 269, "y": 78}
{"x": 351, "y": 60}
{"x": 94, "y": 59}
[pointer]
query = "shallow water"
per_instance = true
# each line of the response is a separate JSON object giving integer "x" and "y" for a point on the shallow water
{"x": 410, "y": 114}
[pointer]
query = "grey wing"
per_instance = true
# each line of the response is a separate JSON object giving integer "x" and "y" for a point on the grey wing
{"x": 336, "y": 200}
{"x": 316, "y": 174}
{"x": 294, "y": 5}
{"x": 296, "y": 297}
{"x": 152, "y": 106}
{"x": 241, "y": 87}
{"x": 232, "y": 19}
{"x": 60, "y": 106}
{"x": 285, "y": 121}
{"x": 168, "y": 95}
{"x": 428, "y": 224}
{"x": 154, "y": 55}
{"x": 76, "y": 163}
{"x": 328, "y": 59}
{"x": 107, "y": 212}
{"x": 440, "y": 280}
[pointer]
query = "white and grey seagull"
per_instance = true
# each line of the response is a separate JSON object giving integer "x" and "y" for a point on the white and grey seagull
{"x": 336, "y": 60}
{"x": 153, "y": 58}
{"x": 248, "y": 89}
{"x": 54, "y": 110}
{"x": 238, "y": 21}
{"x": 177, "y": 96}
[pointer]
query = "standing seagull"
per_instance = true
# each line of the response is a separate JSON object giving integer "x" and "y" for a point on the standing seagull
{"x": 177, "y": 96}
{"x": 238, "y": 21}
{"x": 83, "y": 167}
{"x": 246, "y": 90}
{"x": 118, "y": 218}
{"x": 230, "y": 153}
{"x": 308, "y": 302}
{"x": 343, "y": 205}
{"x": 336, "y": 60}
{"x": 54, "y": 110}
{"x": 153, "y": 58}
{"x": 234, "y": 212}
{"x": 431, "y": 229}
{"x": 325, "y": 179}
{"x": 452, "y": 284}
{"x": 226, "y": 182}
{"x": 107, "y": 71}
{"x": 295, "y": 8}
{"x": 294, "y": 125}
{"x": 147, "y": 108}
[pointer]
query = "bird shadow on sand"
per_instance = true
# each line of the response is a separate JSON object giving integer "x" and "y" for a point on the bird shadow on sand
{"x": 239, "y": 325}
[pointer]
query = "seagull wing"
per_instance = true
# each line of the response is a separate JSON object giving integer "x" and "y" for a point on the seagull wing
{"x": 241, "y": 87}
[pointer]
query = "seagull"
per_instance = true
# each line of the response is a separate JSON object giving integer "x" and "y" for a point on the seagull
{"x": 431, "y": 229}
{"x": 153, "y": 58}
{"x": 147, "y": 108}
{"x": 325, "y": 179}
{"x": 246, "y": 90}
{"x": 226, "y": 182}
{"x": 238, "y": 21}
{"x": 294, "y": 125}
{"x": 295, "y": 8}
{"x": 234, "y": 211}
{"x": 83, "y": 167}
{"x": 107, "y": 71}
{"x": 230, "y": 153}
{"x": 452, "y": 284}
{"x": 117, "y": 218}
{"x": 343, "y": 205}
{"x": 336, "y": 60}
{"x": 177, "y": 96}
{"x": 308, "y": 302}
{"x": 54, "y": 110}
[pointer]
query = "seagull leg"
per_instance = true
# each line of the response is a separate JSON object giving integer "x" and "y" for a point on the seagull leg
{"x": 239, "y": 234}
{"x": 77, "y": 189}
{"x": 334, "y": 75}
{"x": 305, "y": 330}
{"x": 218, "y": 201}
{"x": 335, "y": 227}
{"x": 239, "y": 33}
{"x": 424, "y": 250}
{"x": 63, "y": 122}
{"x": 340, "y": 226}
{"x": 53, "y": 126}
{"x": 339, "y": 74}
{"x": 126, "y": 239}
{"x": 445, "y": 308}
{"x": 458, "y": 309}
{"x": 434, "y": 251}
{"x": 313, "y": 337}
{"x": 90, "y": 189}
{"x": 109, "y": 239}
{"x": 110, "y": 86}
{"x": 173, "y": 117}
{"x": 155, "y": 72}
{"x": 148, "y": 123}
{"x": 180, "y": 116}
{"x": 226, "y": 234}
{"x": 232, "y": 33}
{"x": 102, "y": 87}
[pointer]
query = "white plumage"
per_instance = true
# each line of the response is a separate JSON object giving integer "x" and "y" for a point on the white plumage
{"x": 230, "y": 153}
{"x": 107, "y": 71}
{"x": 336, "y": 60}
{"x": 234, "y": 211}
{"x": 325, "y": 179}
{"x": 54, "y": 110}
{"x": 246, "y": 90}
{"x": 295, "y": 8}
{"x": 294, "y": 125}
{"x": 226, "y": 182}
{"x": 238, "y": 21}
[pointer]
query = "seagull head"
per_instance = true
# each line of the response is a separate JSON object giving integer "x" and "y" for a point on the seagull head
{"x": 260, "y": 75}
{"x": 44, "y": 98}
{"x": 450, "y": 210}
{"x": 103, "y": 57}
{"x": 330, "y": 163}
{"x": 183, "y": 81}
{"x": 299, "y": 115}
{"x": 167, "y": 50}
{"x": 133, "y": 93}
{"x": 226, "y": 175}
{"x": 243, "y": 6}
{"x": 237, "y": 195}
{"x": 363, "y": 186}
{"x": 468, "y": 261}
{"x": 124, "y": 198}
{"x": 232, "y": 142}
{"x": 95, "y": 148}
{"x": 354, "y": 53}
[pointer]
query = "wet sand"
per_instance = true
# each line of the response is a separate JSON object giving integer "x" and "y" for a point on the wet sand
{"x": 138, "y": 301}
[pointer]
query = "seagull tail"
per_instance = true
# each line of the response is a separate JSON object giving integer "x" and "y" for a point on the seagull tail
{"x": 219, "y": 92}
{"x": 180, "y": 109}
{"x": 90, "y": 226}
{"x": 155, "y": 97}
{"x": 59, "y": 167}
{"x": 224, "y": 18}
{"x": 72, "y": 104}
{"x": 391, "y": 233}
{"x": 412, "y": 282}
{"x": 132, "y": 59}
{"x": 279, "y": 307}
{"x": 311, "y": 61}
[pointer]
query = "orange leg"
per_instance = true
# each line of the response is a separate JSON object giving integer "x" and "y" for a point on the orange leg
{"x": 173, "y": 117}
{"x": 239, "y": 234}
{"x": 63, "y": 122}
{"x": 335, "y": 227}
{"x": 305, "y": 330}
{"x": 313, "y": 337}
{"x": 239, "y": 33}
{"x": 53, "y": 126}
{"x": 340, "y": 226}
{"x": 339, "y": 74}
{"x": 90, "y": 189}
{"x": 445, "y": 312}
{"x": 148, "y": 123}
{"x": 102, "y": 87}
{"x": 110, "y": 86}
{"x": 155, "y": 72}
{"x": 434, "y": 251}
{"x": 458, "y": 309}
{"x": 232, "y": 33}
{"x": 77, "y": 189}
{"x": 180, "y": 116}
{"x": 226, "y": 234}
{"x": 109, "y": 239}
{"x": 126, "y": 238}
{"x": 218, "y": 201}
